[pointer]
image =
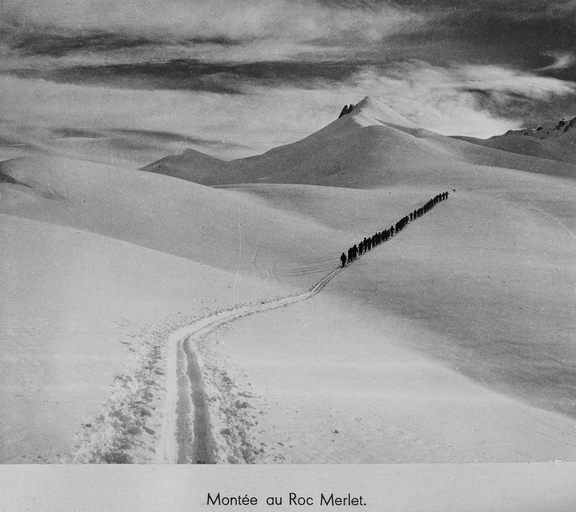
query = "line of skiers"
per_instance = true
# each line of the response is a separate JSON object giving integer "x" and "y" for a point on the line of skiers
{"x": 372, "y": 241}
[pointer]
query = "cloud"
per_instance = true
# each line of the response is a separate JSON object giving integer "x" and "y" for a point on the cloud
{"x": 58, "y": 45}
{"x": 562, "y": 60}
{"x": 269, "y": 72}
{"x": 538, "y": 9}
{"x": 528, "y": 9}
{"x": 61, "y": 34}
{"x": 300, "y": 20}
{"x": 195, "y": 75}
{"x": 56, "y": 39}
{"x": 262, "y": 119}
{"x": 501, "y": 80}
{"x": 469, "y": 100}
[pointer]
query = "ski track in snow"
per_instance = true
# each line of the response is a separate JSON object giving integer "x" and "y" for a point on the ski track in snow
{"x": 185, "y": 416}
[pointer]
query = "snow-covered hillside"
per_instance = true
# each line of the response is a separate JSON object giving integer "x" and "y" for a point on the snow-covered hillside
{"x": 370, "y": 147}
{"x": 453, "y": 341}
{"x": 553, "y": 141}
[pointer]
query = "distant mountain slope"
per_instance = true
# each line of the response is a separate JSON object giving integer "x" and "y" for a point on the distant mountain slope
{"x": 371, "y": 146}
{"x": 117, "y": 147}
{"x": 554, "y": 141}
{"x": 190, "y": 165}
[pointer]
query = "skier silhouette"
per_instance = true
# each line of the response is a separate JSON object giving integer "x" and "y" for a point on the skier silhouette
{"x": 343, "y": 260}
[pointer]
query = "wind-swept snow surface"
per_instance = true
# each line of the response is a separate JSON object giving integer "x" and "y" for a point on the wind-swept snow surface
{"x": 141, "y": 318}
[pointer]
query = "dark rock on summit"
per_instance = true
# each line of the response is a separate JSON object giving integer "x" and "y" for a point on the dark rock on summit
{"x": 346, "y": 110}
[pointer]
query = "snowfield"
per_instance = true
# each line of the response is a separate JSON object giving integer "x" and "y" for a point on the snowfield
{"x": 193, "y": 311}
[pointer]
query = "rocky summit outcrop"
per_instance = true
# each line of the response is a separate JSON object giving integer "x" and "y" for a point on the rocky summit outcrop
{"x": 346, "y": 110}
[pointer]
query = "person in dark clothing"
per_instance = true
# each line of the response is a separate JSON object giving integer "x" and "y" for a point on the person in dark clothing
{"x": 343, "y": 260}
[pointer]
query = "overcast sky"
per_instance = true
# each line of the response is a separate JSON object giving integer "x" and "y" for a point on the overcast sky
{"x": 259, "y": 73}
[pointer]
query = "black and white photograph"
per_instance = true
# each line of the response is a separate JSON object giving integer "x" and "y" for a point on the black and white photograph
{"x": 295, "y": 234}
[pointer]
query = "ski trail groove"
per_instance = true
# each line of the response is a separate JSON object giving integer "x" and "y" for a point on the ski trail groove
{"x": 185, "y": 434}
{"x": 202, "y": 444}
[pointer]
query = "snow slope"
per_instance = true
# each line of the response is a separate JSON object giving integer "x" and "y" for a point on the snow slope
{"x": 484, "y": 285}
{"x": 451, "y": 342}
{"x": 116, "y": 256}
{"x": 77, "y": 310}
{"x": 213, "y": 227}
{"x": 116, "y": 147}
{"x": 553, "y": 141}
{"x": 370, "y": 147}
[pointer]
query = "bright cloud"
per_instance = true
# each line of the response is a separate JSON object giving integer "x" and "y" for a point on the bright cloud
{"x": 562, "y": 60}
{"x": 498, "y": 79}
{"x": 300, "y": 20}
{"x": 445, "y": 99}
